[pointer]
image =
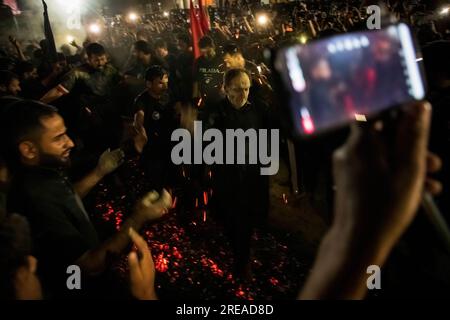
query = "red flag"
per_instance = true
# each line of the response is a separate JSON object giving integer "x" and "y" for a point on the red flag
{"x": 197, "y": 32}
{"x": 204, "y": 18}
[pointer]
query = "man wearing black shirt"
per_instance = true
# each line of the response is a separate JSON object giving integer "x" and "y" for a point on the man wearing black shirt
{"x": 243, "y": 183}
{"x": 160, "y": 121}
{"x": 185, "y": 61}
{"x": 145, "y": 58}
{"x": 93, "y": 83}
{"x": 208, "y": 73}
{"x": 234, "y": 59}
{"x": 39, "y": 151}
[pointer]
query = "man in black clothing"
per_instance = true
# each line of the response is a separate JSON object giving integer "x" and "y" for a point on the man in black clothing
{"x": 160, "y": 121}
{"x": 166, "y": 57}
{"x": 241, "y": 192}
{"x": 62, "y": 233}
{"x": 93, "y": 84}
{"x": 185, "y": 62}
{"x": 169, "y": 63}
{"x": 208, "y": 73}
{"x": 234, "y": 59}
{"x": 145, "y": 57}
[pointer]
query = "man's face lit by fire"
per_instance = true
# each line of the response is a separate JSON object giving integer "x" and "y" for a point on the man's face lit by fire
{"x": 238, "y": 90}
{"x": 98, "y": 62}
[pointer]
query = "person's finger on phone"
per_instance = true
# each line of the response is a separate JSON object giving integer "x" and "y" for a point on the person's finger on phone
{"x": 434, "y": 187}
{"x": 434, "y": 163}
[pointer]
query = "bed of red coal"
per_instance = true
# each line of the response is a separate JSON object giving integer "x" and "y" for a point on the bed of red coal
{"x": 192, "y": 256}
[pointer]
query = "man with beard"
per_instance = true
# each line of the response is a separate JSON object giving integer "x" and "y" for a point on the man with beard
{"x": 62, "y": 233}
{"x": 93, "y": 84}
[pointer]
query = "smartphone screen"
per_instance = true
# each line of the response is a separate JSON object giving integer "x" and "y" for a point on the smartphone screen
{"x": 353, "y": 76}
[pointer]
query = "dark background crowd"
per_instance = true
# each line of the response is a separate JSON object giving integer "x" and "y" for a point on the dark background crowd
{"x": 124, "y": 86}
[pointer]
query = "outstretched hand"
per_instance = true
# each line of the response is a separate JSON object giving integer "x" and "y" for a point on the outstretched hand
{"x": 109, "y": 161}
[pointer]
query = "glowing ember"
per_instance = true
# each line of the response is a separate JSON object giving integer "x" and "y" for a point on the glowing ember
{"x": 205, "y": 198}
{"x": 161, "y": 263}
{"x": 285, "y": 200}
{"x": 174, "y": 204}
{"x": 186, "y": 263}
{"x": 273, "y": 281}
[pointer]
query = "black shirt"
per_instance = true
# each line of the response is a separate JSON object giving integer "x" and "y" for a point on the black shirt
{"x": 60, "y": 227}
{"x": 139, "y": 69}
{"x": 94, "y": 87}
{"x": 159, "y": 122}
{"x": 241, "y": 182}
{"x": 159, "y": 118}
{"x": 209, "y": 75}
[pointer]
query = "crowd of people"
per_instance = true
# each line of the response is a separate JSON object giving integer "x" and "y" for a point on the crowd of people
{"x": 68, "y": 123}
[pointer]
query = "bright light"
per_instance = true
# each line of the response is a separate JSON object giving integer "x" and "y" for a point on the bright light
{"x": 70, "y": 38}
{"x": 445, "y": 11}
{"x": 94, "y": 28}
{"x": 165, "y": 14}
{"x": 262, "y": 19}
{"x": 72, "y": 2}
{"x": 307, "y": 123}
{"x": 132, "y": 16}
{"x": 303, "y": 39}
{"x": 356, "y": 44}
{"x": 364, "y": 41}
{"x": 348, "y": 44}
{"x": 331, "y": 48}
{"x": 360, "y": 117}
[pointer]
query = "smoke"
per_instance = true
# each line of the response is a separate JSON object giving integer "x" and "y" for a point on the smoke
{"x": 68, "y": 20}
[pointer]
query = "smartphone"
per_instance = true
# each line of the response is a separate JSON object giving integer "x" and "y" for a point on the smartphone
{"x": 331, "y": 82}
